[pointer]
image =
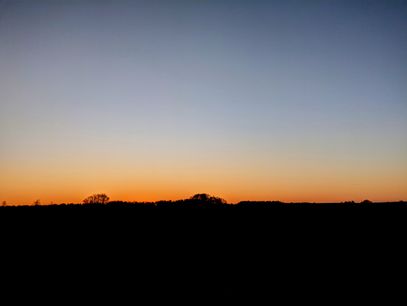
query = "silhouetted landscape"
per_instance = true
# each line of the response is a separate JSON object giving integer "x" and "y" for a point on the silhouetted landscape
{"x": 200, "y": 201}
{"x": 205, "y": 249}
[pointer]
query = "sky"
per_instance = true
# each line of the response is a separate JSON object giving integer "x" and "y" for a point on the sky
{"x": 246, "y": 100}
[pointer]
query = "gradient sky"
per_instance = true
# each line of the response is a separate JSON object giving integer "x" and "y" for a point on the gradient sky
{"x": 148, "y": 100}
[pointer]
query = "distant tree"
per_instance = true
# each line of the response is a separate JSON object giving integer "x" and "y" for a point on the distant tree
{"x": 206, "y": 198}
{"x": 4, "y": 203}
{"x": 366, "y": 202}
{"x": 201, "y": 197}
{"x": 100, "y": 198}
{"x": 37, "y": 202}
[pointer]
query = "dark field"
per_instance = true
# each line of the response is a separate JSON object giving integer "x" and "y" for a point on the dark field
{"x": 189, "y": 251}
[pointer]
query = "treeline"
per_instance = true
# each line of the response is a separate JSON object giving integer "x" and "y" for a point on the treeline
{"x": 203, "y": 201}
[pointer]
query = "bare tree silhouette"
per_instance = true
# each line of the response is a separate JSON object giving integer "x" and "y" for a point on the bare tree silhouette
{"x": 100, "y": 198}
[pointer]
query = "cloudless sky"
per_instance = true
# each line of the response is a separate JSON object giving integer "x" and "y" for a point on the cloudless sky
{"x": 148, "y": 100}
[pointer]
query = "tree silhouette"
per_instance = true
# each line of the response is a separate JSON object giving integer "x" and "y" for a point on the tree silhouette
{"x": 366, "y": 202}
{"x": 206, "y": 198}
{"x": 100, "y": 198}
{"x": 201, "y": 197}
{"x": 37, "y": 202}
{"x": 4, "y": 203}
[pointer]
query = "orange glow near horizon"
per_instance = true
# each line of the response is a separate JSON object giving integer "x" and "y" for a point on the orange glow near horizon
{"x": 234, "y": 182}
